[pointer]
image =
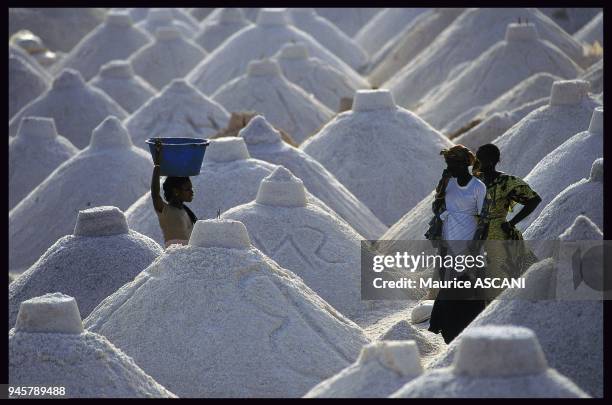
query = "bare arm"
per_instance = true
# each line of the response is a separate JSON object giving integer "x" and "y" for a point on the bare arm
{"x": 158, "y": 203}
{"x": 526, "y": 210}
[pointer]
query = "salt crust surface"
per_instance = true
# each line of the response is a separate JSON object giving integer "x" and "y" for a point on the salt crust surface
{"x": 33, "y": 154}
{"x": 76, "y": 107}
{"x": 118, "y": 80}
{"x": 215, "y": 31}
{"x": 25, "y": 84}
{"x": 50, "y": 313}
{"x": 287, "y": 106}
{"x": 215, "y": 299}
{"x": 179, "y": 110}
{"x": 404, "y": 143}
{"x": 111, "y": 171}
{"x": 381, "y": 369}
{"x": 314, "y": 76}
{"x": 330, "y": 36}
{"x": 115, "y": 38}
{"x": 471, "y": 34}
{"x": 161, "y": 18}
{"x": 592, "y": 31}
{"x": 264, "y": 143}
{"x": 349, "y": 20}
{"x": 140, "y": 13}
{"x": 170, "y": 56}
{"x": 582, "y": 229}
{"x": 17, "y": 51}
{"x": 594, "y": 75}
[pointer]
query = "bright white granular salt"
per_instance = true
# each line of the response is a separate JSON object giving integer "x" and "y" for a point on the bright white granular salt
{"x": 76, "y": 107}
{"x": 265, "y": 90}
{"x": 349, "y": 20}
{"x": 49, "y": 348}
{"x": 91, "y": 264}
{"x": 493, "y": 73}
{"x": 541, "y": 131}
{"x": 33, "y": 154}
{"x": 301, "y": 237}
{"x": 379, "y": 140}
{"x": 582, "y": 229}
{"x": 404, "y": 330}
{"x": 218, "y": 293}
{"x": 330, "y": 36}
{"x": 265, "y": 143}
{"x": 170, "y": 56}
{"x": 494, "y": 362}
{"x": 471, "y": 34}
{"x": 566, "y": 165}
{"x": 179, "y": 110}
{"x": 110, "y": 171}
{"x": 316, "y": 77}
{"x": 258, "y": 41}
{"x": 116, "y": 38}
{"x": 162, "y": 18}
{"x": 118, "y": 80}
{"x": 215, "y": 31}
{"x": 25, "y": 84}
{"x": 592, "y": 31}
{"x": 381, "y": 369}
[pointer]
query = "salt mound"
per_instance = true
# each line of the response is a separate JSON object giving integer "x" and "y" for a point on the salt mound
{"x": 403, "y": 330}
{"x": 301, "y": 237}
{"x": 17, "y": 51}
{"x": 571, "y": 19}
{"x": 111, "y": 171}
{"x": 115, "y": 38}
{"x": 101, "y": 256}
{"x": 179, "y": 110}
{"x": 404, "y": 143}
{"x": 384, "y": 26}
{"x": 592, "y": 31}
{"x": 594, "y": 75}
{"x": 200, "y": 13}
{"x": 33, "y": 154}
{"x": 227, "y": 295}
{"x": 330, "y": 36}
{"x": 62, "y": 28}
{"x": 381, "y": 369}
{"x": 349, "y": 20}
{"x": 494, "y": 362}
{"x": 582, "y": 229}
{"x": 471, "y": 34}
{"x": 584, "y": 197}
{"x": 163, "y": 18}
{"x": 169, "y": 57}
{"x": 402, "y": 49}
{"x": 214, "y": 32}
{"x": 118, "y": 80}
{"x": 258, "y": 41}
{"x": 542, "y": 130}
{"x": 567, "y": 164}
{"x": 140, "y": 13}
{"x": 264, "y": 89}
{"x": 25, "y": 84}
{"x": 316, "y": 77}
{"x": 48, "y": 347}
{"x": 496, "y": 71}
{"x": 265, "y": 143}
{"x": 76, "y": 107}
{"x": 35, "y": 47}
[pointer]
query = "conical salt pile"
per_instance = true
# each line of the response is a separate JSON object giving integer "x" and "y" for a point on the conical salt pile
{"x": 49, "y": 348}
{"x": 381, "y": 369}
{"x": 592, "y": 31}
{"x": 379, "y": 140}
{"x": 264, "y": 89}
{"x": 179, "y": 110}
{"x": 265, "y": 143}
{"x": 25, "y": 84}
{"x": 494, "y": 362}
{"x": 169, "y": 57}
{"x": 115, "y": 38}
{"x": 118, "y": 80}
{"x": 76, "y": 107}
{"x": 349, "y": 20}
{"x": 33, "y": 154}
{"x": 567, "y": 164}
{"x": 111, "y": 171}
{"x": 496, "y": 71}
{"x": 91, "y": 264}
{"x": 213, "y": 32}
{"x": 594, "y": 75}
{"x": 17, "y": 51}
{"x": 404, "y": 330}
{"x": 230, "y": 293}
{"x": 139, "y": 14}
{"x": 466, "y": 39}
{"x": 330, "y": 36}
{"x": 584, "y": 197}
{"x": 322, "y": 250}
{"x": 262, "y": 40}
{"x": 162, "y": 18}
{"x": 316, "y": 77}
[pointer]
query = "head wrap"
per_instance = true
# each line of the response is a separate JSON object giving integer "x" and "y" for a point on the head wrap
{"x": 459, "y": 152}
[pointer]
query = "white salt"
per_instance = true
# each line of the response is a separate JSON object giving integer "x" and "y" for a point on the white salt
{"x": 25, "y": 84}
{"x": 140, "y": 13}
{"x": 214, "y": 32}
{"x": 349, "y": 19}
{"x": 582, "y": 229}
{"x": 163, "y": 18}
{"x": 287, "y": 106}
{"x": 200, "y": 13}
{"x": 76, "y": 107}
{"x": 571, "y": 19}
{"x": 17, "y": 51}
{"x": 594, "y": 75}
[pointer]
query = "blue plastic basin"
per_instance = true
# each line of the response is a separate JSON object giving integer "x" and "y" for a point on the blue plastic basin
{"x": 180, "y": 157}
